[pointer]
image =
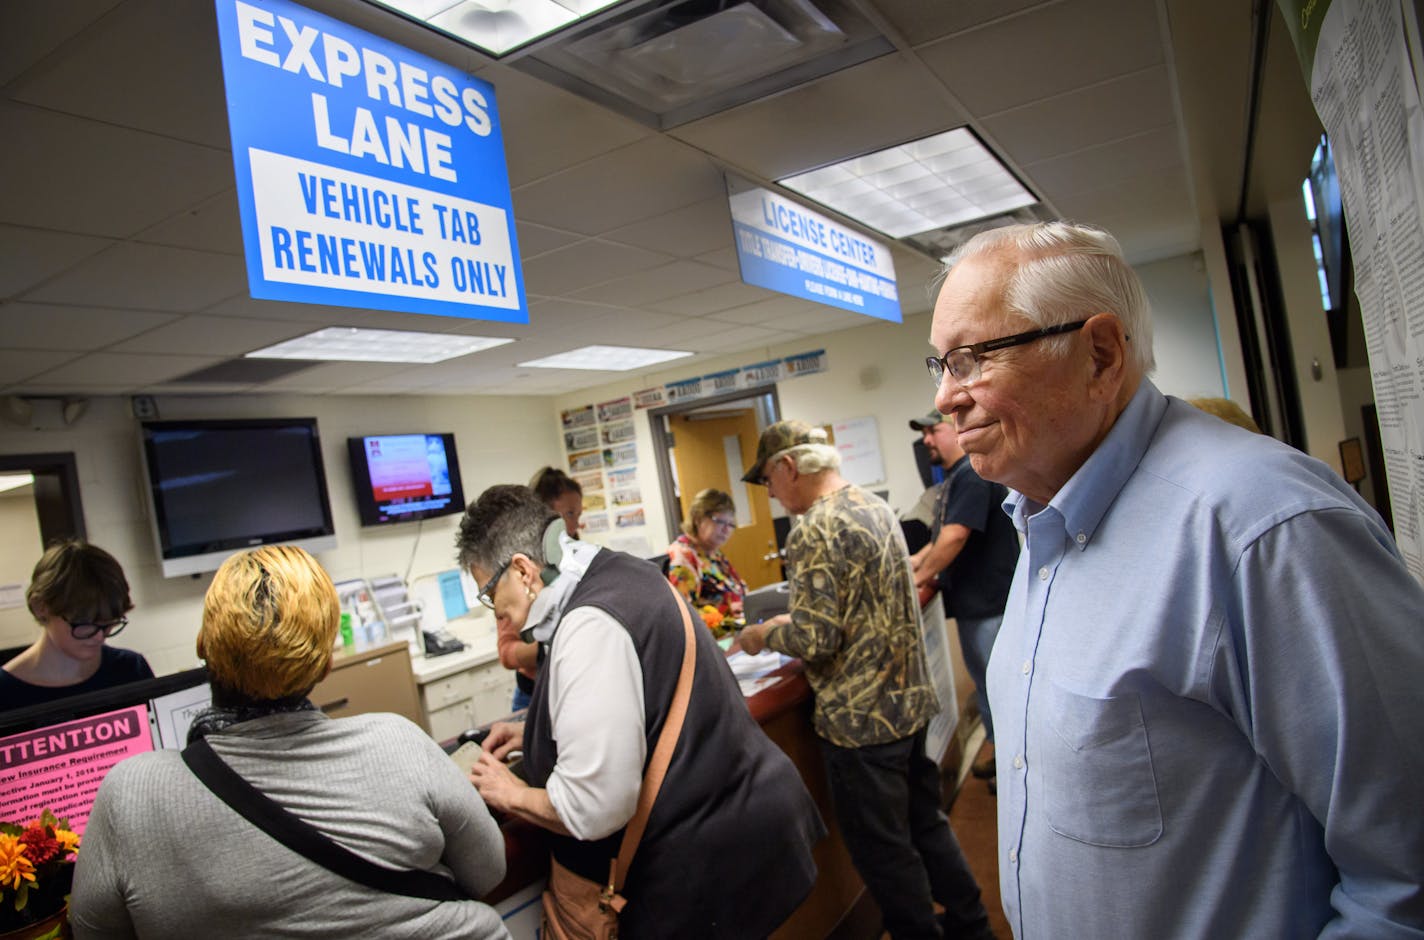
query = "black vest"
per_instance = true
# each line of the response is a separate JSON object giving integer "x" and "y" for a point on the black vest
{"x": 727, "y": 850}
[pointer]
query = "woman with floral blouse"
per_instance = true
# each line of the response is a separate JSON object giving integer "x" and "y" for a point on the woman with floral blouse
{"x": 697, "y": 567}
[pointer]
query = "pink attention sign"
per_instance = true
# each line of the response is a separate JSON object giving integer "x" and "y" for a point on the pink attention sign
{"x": 59, "y": 768}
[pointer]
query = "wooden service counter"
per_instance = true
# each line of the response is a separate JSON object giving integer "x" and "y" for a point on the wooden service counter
{"x": 783, "y": 709}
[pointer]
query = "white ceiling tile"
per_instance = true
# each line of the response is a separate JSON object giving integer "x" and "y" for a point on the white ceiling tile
{"x": 686, "y": 232}
{"x": 30, "y": 255}
{"x": 641, "y": 181}
{"x": 30, "y": 30}
{"x": 211, "y": 225}
{"x": 918, "y": 21}
{"x": 722, "y": 258}
{"x": 18, "y": 366}
{"x": 329, "y": 376}
{"x": 94, "y": 178}
{"x": 243, "y": 305}
{"x": 1098, "y": 167}
{"x": 743, "y": 337}
{"x": 858, "y": 110}
{"x": 726, "y": 297}
{"x": 150, "y": 65}
{"x": 1114, "y": 109}
{"x": 585, "y": 264}
{"x": 147, "y": 277}
{"x": 547, "y": 129}
{"x": 670, "y": 280}
{"x": 535, "y": 240}
{"x": 41, "y": 326}
{"x": 106, "y": 368}
{"x": 1068, "y": 44}
{"x": 212, "y": 336}
{"x": 767, "y": 311}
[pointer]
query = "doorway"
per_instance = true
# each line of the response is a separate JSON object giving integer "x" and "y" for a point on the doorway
{"x": 41, "y": 507}
{"x": 708, "y": 444}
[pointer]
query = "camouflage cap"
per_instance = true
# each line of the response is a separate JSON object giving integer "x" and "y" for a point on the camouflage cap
{"x": 781, "y": 436}
{"x": 927, "y": 422}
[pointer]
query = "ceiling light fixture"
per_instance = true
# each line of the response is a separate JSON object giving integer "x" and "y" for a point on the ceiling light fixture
{"x": 606, "y": 358}
{"x": 939, "y": 181}
{"x": 497, "y": 26}
{"x": 349, "y": 344}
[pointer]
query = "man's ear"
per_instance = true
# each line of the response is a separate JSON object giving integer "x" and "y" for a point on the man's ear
{"x": 1107, "y": 347}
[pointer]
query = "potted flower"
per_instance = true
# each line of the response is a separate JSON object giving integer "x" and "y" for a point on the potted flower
{"x": 36, "y": 869}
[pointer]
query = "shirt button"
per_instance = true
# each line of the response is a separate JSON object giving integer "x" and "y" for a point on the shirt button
{"x": 1043, "y": 573}
{"x": 1082, "y": 537}
{"x": 1013, "y": 856}
{"x": 1027, "y": 666}
{"x": 1018, "y": 762}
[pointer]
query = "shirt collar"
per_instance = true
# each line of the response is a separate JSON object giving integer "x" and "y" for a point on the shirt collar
{"x": 548, "y": 607}
{"x": 1084, "y": 499}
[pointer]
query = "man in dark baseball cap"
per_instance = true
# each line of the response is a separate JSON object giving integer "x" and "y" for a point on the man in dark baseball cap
{"x": 927, "y": 422}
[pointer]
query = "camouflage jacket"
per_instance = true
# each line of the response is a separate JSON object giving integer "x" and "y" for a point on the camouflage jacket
{"x": 855, "y": 621}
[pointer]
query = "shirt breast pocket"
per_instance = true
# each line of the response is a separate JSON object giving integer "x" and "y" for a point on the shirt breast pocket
{"x": 1098, "y": 781}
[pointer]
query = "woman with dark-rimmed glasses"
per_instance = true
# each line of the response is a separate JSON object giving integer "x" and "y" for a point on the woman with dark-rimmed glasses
{"x": 80, "y": 597}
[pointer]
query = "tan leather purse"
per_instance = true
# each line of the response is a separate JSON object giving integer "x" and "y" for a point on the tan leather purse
{"x": 576, "y": 908}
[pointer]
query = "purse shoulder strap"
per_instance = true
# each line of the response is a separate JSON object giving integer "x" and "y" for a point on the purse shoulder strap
{"x": 662, "y": 751}
{"x": 304, "y": 838}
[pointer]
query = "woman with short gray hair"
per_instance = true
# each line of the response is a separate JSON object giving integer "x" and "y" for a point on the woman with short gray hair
{"x": 727, "y": 849}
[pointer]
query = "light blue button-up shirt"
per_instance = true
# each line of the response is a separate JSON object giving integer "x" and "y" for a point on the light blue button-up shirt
{"x": 1206, "y": 697}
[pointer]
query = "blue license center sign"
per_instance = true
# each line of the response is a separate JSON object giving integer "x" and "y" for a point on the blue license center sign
{"x": 367, "y": 175}
{"x": 786, "y": 247}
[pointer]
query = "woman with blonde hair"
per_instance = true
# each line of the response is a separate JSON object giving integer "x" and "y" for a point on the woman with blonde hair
{"x": 696, "y": 565}
{"x": 165, "y": 856}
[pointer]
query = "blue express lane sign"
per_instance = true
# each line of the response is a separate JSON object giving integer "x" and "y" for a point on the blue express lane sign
{"x": 368, "y": 175}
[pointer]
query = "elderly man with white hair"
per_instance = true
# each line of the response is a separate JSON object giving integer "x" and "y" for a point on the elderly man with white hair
{"x": 855, "y": 621}
{"x": 1206, "y": 685}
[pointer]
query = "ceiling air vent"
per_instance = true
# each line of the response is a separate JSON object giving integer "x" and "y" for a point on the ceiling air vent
{"x": 686, "y": 59}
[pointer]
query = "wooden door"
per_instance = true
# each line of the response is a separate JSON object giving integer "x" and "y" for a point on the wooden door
{"x": 704, "y": 450}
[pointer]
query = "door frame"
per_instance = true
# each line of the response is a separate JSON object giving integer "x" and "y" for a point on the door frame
{"x": 56, "y": 493}
{"x": 764, "y": 401}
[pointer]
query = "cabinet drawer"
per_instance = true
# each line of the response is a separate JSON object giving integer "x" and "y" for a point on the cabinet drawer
{"x": 446, "y": 692}
{"x": 381, "y": 683}
{"x": 447, "y": 723}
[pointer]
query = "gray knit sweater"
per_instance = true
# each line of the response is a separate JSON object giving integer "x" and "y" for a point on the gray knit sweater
{"x": 163, "y": 857}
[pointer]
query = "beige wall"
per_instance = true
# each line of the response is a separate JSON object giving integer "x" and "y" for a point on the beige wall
{"x": 498, "y": 440}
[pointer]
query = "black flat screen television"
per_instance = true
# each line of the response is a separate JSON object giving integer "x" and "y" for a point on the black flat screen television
{"x": 404, "y": 477}
{"x": 217, "y": 487}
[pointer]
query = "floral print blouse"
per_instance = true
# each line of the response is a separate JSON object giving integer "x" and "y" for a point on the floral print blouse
{"x": 705, "y": 579}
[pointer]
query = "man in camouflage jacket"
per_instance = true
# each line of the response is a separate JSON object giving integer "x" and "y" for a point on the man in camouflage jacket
{"x": 855, "y": 622}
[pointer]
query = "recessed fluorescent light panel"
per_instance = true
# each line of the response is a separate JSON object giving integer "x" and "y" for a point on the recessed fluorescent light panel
{"x": 348, "y": 344}
{"x": 497, "y": 26}
{"x": 944, "y": 180}
{"x": 606, "y": 358}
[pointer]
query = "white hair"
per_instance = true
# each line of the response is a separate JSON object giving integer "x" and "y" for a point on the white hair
{"x": 814, "y": 458}
{"x": 1066, "y": 272}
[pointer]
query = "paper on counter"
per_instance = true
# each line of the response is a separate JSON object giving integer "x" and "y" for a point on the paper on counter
{"x": 754, "y": 667}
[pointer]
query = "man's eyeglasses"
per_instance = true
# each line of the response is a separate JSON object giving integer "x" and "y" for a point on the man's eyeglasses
{"x": 84, "y": 630}
{"x": 486, "y": 595}
{"x": 962, "y": 362}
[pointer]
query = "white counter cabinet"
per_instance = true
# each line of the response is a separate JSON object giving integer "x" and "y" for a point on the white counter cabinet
{"x": 465, "y": 689}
